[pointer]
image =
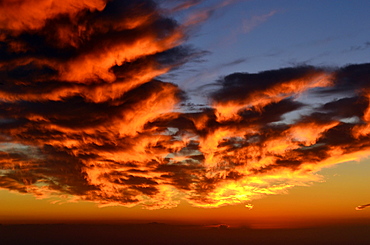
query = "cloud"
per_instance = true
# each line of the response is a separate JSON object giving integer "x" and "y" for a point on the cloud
{"x": 248, "y": 145}
{"x": 361, "y": 207}
{"x": 208, "y": 74}
{"x": 364, "y": 46}
{"x": 185, "y": 5}
{"x": 247, "y": 25}
{"x": 250, "y": 24}
{"x": 203, "y": 14}
{"x": 19, "y": 15}
{"x": 83, "y": 113}
{"x": 78, "y": 87}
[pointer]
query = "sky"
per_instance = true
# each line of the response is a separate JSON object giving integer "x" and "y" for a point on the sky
{"x": 252, "y": 113}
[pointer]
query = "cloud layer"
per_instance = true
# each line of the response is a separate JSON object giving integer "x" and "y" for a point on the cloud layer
{"x": 84, "y": 116}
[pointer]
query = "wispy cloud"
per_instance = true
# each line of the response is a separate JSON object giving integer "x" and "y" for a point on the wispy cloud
{"x": 208, "y": 74}
{"x": 186, "y": 5}
{"x": 256, "y": 20}
{"x": 247, "y": 25}
{"x": 203, "y": 14}
{"x": 364, "y": 46}
{"x": 361, "y": 207}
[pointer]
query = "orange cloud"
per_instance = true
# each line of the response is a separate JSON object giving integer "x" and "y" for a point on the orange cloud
{"x": 19, "y": 15}
{"x": 83, "y": 114}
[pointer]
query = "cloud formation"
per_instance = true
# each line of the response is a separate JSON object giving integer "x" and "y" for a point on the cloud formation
{"x": 83, "y": 114}
{"x": 78, "y": 87}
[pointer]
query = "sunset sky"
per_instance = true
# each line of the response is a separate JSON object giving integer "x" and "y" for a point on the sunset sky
{"x": 248, "y": 113}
